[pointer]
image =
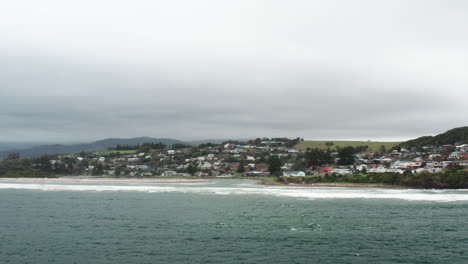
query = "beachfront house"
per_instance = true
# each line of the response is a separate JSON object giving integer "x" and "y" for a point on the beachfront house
{"x": 294, "y": 174}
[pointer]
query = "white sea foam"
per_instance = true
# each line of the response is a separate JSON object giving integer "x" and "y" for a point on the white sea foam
{"x": 299, "y": 192}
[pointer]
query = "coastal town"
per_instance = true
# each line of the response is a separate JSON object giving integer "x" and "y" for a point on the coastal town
{"x": 257, "y": 158}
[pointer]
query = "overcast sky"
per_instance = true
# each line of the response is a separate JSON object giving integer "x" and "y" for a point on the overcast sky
{"x": 92, "y": 69}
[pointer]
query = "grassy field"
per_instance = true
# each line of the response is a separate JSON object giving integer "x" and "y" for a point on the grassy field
{"x": 374, "y": 146}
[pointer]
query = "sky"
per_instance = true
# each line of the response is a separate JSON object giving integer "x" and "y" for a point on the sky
{"x": 352, "y": 69}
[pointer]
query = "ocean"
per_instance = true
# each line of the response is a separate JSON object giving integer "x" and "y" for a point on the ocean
{"x": 228, "y": 221}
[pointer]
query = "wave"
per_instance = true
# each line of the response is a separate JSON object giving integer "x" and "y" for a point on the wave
{"x": 298, "y": 192}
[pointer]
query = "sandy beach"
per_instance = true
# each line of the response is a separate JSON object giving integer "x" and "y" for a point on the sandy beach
{"x": 86, "y": 180}
{"x": 101, "y": 180}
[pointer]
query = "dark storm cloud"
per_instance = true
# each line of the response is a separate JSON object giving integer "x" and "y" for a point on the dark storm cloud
{"x": 317, "y": 70}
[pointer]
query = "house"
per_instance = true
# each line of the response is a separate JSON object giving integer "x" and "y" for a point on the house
{"x": 432, "y": 170}
{"x": 384, "y": 170}
{"x": 169, "y": 173}
{"x": 293, "y": 174}
{"x": 455, "y": 155}
{"x": 142, "y": 167}
{"x": 342, "y": 171}
{"x": 201, "y": 174}
{"x": 258, "y": 173}
{"x": 462, "y": 148}
{"x": 206, "y": 166}
{"x": 229, "y": 146}
{"x": 361, "y": 167}
{"x": 261, "y": 166}
{"x": 401, "y": 164}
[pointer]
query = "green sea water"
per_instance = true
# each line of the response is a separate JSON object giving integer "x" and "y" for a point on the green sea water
{"x": 229, "y": 221}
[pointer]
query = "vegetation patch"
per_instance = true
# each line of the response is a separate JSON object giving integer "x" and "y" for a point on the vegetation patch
{"x": 372, "y": 146}
{"x": 453, "y": 178}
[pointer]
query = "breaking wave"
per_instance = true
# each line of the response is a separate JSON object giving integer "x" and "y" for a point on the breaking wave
{"x": 244, "y": 189}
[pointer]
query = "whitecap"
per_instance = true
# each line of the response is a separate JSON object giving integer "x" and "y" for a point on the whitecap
{"x": 299, "y": 192}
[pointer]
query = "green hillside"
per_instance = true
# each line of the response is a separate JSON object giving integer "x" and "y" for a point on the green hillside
{"x": 374, "y": 146}
{"x": 456, "y": 135}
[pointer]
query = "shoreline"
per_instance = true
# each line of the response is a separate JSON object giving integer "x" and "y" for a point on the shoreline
{"x": 78, "y": 179}
{"x": 104, "y": 180}
{"x": 337, "y": 185}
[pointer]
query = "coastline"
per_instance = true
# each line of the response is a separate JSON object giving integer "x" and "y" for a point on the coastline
{"x": 259, "y": 181}
{"x": 336, "y": 185}
{"x": 103, "y": 180}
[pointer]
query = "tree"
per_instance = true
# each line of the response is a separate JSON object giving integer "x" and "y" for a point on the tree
{"x": 317, "y": 157}
{"x": 43, "y": 163}
{"x": 257, "y": 141}
{"x": 60, "y": 168}
{"x": 346, "y": 156}
{"x": 274, "y": 163}
{"x": 241, "y": 168}
{"x": 97, "y": 170}
{"x": 383, "y": 149}
{"x": 192, "y": 169}
{"x": 181, "y": 146}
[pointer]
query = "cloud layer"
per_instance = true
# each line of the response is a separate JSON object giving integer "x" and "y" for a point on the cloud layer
{"x": 237, "y": 69}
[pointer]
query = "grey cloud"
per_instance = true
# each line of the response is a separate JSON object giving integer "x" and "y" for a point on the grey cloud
{"x": 340, "y": 69}
{"x": 304, "y": 102}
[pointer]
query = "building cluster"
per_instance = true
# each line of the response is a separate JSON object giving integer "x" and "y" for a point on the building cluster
{"x": 417, "y": 159}
{"x": 254, "y": 159}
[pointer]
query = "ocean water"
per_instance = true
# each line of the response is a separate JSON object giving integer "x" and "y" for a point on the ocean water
{"x": 229, "y": 221}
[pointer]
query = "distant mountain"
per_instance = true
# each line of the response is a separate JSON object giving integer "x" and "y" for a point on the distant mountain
{"x": 198, "y": 142}
{"x": 456, "y": 135}
{"x": 100, "y": 145}
{"x": 18, "y": 145}
{"x": 214, "y": 141}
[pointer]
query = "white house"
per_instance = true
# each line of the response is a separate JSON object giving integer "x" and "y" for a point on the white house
{"x": 342, "y": 171}
{"x": 169, "y": 173}
{"x": 361, "y": 167}
{"x": 294, "y": 173}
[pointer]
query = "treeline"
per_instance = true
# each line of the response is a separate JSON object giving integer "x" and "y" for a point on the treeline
{"x": 15, "y": 167}
{"x": 315, "y": 157}
{"x": 48, "y": 166}
{"x": 149, "y": 146}
{"x": 454, "y": 178}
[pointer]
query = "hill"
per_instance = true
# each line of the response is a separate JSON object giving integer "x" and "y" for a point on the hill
{"x": 456, "y": 135}
{"x": 19, "y": 145}
{"x": 373, "y": 146}
{"x": 101, "y": 145}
